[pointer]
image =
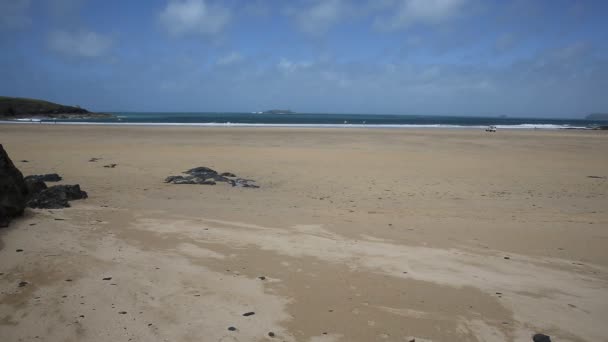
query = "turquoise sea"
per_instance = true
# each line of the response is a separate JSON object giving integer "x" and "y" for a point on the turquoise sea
{"x": 331, "y": 120}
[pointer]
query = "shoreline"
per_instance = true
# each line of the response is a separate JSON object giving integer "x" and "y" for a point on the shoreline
{"x": 320, "y": 126}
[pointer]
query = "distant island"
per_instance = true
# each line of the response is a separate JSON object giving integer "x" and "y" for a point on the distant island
{"x": 597, "y": 116}
{"x": 24, "y": 108}
{"x": 278, "y": 111}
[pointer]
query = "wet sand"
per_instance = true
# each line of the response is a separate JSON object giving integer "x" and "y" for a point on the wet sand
{"x": 353, "y": 235}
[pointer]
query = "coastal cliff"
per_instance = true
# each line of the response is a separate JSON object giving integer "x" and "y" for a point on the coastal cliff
{"x": 18, "y": 108}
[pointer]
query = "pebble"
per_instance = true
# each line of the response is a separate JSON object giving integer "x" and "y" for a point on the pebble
{"x": 23, "y": 283}
{"x": 262, "y": 278}
{"x": 506, "y": 258}
{"x": 271, "y": 334}
{"x": 122, "y": 312}
{"x": 107, "y": 278}
{"x": 250, "y": 313}
{"x": 232, "y": 328}
{"x": 19, "y": 250}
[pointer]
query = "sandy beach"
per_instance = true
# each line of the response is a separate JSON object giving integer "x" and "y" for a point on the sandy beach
{"x": 353, "y": 235}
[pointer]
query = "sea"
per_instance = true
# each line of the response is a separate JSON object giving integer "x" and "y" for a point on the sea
{"x": 325, "y": 120}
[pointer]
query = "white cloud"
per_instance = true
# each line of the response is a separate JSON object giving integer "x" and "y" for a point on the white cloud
{"x": 320, "y": 16}
{"x": 80, "y": 43}
{"x": 410, "y": 12}
{"x": 182, "y": 17}
{"x": 13, "y": 13}
{"x": 288, "y": 66}
{"x": 230, "y": 59}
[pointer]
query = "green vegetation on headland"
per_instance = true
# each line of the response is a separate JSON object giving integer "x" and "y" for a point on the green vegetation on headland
{"x": 597, "y": 116}
{"x": 278, "y": 111}
{"x": 20, "y": 108}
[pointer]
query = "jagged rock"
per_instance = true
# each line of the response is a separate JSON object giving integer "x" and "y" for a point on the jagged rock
{"x": 34, "y": 186}
{"x": 13, "y": 191}
{"x": 49, "y": 177}
{"x": 56, "y": 197}
{"x": 206, "y": 176}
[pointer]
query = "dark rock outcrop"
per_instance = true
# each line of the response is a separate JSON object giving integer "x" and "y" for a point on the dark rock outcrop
{"x": 49, "y": 177}
{"x": 206, "y": 176}
{"x": 13, "y": 191}
{"x": 56, "y": 197}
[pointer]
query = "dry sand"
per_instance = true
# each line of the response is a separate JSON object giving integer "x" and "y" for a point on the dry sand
{"x": 358, "y": 235}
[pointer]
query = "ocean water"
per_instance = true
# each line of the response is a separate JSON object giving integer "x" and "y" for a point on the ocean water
{"x": 330, "y": 120}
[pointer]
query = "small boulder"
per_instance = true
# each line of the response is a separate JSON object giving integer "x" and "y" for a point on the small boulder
{"x": 541, "y": 338}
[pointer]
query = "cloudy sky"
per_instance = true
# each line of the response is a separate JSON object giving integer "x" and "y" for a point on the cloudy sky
{"x": 442, "y": 57}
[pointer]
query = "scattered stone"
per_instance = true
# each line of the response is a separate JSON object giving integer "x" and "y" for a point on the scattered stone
{"x": 25, "y": 161}
{"x": 271, "y": 334}
{"x": 262, "y": 278}
{"x": 56, "y": 197}
{"x": 110, "y": 166}
{"x": 23, "y": 283}
{"x": 597, "y": 177}
{"x": 232, "y": 328}
{"x": 68, "y": 280}
{"x": 107, "y": 278}
{"x": 122, "y": 312}
{"x": 19, "y": 250}
{"x": 14, "y": 192}
{"x": 92, "y": 160}
{"x": 541, "y": 338}
{"x": 49, "y": 177}
{"x": 206, "y": 176}
{"x": 250, "y": 313}
{"x": 506, "y": 258}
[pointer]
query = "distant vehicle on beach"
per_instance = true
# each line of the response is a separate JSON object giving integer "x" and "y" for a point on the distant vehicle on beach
{"x": 491, "y": 129}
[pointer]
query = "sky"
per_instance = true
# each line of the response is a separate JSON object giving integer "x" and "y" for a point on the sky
{"x": 526, "y": 58}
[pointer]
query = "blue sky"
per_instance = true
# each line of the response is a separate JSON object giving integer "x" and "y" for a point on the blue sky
{"x": 441, "y": 57}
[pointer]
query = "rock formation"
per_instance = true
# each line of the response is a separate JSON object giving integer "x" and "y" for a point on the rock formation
{"x": 17, "y": 192}
{"x": 13, "y": 191}
{"x": 206, "y": 176}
